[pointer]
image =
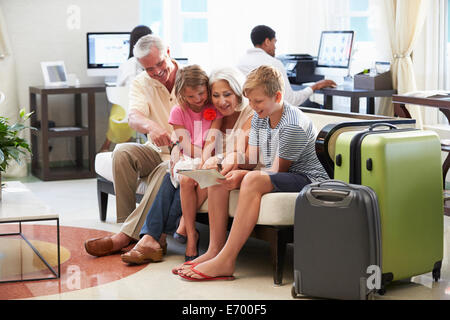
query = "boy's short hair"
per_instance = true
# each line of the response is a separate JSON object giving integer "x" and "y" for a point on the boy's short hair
{"x": 266, "y": 77}
{"x": 261, "y": 33}
{"x": 190, "y": 76}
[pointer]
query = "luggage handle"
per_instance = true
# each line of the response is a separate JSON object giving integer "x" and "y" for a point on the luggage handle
{"x": 318, "y": 193}
{"x": 329, "y": 197}
{"x": 333, "y": 183}
{"x": 383, "y": 124}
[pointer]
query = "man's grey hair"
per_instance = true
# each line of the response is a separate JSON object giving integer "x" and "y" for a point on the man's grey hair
{"x": 235, "y": 79}
{"x": 146, "y": 43}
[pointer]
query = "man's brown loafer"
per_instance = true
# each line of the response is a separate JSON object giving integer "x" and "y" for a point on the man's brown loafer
{"x": 141, "y": 255}
{"x": 100, "y": 247}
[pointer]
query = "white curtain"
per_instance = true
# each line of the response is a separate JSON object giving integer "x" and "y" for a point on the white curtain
{"x": 430, "y": 57}
{"x": 10, "y": 107}
{"x": 405, "y": 19}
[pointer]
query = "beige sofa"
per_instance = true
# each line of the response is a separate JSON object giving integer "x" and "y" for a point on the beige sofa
{"x": 276, "y": 218}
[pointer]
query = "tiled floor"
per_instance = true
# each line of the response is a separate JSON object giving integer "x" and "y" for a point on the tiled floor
{"x": 76, "y": 203}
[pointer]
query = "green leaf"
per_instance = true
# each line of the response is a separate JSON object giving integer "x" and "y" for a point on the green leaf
{"x": 28, "y": 115}
{"x": 11, "y": 145}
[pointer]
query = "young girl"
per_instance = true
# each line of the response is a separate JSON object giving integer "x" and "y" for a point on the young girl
{"x": 192, "y": 120}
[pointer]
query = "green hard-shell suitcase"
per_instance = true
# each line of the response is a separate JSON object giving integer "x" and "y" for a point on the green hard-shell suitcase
{"x": 403, "y": 167}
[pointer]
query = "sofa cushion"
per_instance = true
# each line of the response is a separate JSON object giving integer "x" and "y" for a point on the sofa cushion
{"x": 276, "y": 209}
{"x": 103, "y": 167}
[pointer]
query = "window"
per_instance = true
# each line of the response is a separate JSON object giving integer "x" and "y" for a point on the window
{"x": 214, "y": 33}
{"x": 151, "y": 15}
{"x": 195, "y": 20}
{"x": 359, "y": 20}
{"x": 448, "y": 20}
{"x": 183, "y": 24}
{"x": 194, "y": 6}
{"x": 447, "y": 74}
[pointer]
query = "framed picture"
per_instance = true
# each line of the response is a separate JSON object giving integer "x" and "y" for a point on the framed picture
{"x": 54, "y": 73}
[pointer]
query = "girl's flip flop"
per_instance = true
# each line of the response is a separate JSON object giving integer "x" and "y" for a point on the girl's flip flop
{"x": 204, "y": 276}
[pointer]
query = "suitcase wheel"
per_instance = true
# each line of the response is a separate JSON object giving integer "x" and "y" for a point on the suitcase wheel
{"x": 294, "y": 292}
{"x": 382, "y": 291}
{"x": 437, "y": 271}
{"x": 436, "y": 275}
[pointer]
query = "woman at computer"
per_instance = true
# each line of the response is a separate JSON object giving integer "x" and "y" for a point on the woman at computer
{"x": 121, "y": 132}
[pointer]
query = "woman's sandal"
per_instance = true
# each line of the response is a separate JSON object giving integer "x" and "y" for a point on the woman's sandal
{"x": 190, "y": 258}
{"x": 204, "y": 276}
{"x": 177, "y": 269}
{"x": 180, "y": 238}
{"x": 141, "y": 255}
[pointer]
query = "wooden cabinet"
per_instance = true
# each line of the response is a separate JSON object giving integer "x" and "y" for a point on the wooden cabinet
{"x": 40, "y": 164}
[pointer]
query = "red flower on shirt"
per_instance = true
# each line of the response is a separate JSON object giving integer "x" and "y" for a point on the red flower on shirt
{"x": 209, "y": 114}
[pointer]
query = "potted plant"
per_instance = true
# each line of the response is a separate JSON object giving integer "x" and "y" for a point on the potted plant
{"x": 11, "y": 145}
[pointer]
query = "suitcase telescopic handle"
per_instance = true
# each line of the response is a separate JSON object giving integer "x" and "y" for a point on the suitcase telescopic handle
{"x": 383, "y": 124}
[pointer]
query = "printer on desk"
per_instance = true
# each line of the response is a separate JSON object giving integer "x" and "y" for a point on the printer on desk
{"x": 300, "y": 68}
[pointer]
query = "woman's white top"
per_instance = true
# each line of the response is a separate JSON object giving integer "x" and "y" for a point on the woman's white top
{"x": 128, "y": 71}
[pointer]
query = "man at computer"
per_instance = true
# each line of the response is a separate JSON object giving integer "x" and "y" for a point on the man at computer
{"x": 264, "y": 42}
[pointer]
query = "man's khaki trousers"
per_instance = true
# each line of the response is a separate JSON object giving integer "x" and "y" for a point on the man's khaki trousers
{"x": 132, "y": 161}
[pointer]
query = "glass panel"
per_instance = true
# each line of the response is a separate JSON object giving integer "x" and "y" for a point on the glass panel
{"x": 362, "y": 32}
{"x": 448, "y": 20}
{"x": 359, "y": 5}
{"x": 195, "y": 30}
{"x": 151, "y": 13}
{"x": 194, "y": 6}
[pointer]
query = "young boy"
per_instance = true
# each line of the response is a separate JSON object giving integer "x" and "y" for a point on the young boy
{"x": 284, "y": 137}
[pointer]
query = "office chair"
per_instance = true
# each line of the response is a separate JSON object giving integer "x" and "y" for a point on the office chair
{"x": 119, "y": 96}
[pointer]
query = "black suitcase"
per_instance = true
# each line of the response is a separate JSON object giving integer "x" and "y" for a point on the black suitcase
{"x": 337, "y": 242}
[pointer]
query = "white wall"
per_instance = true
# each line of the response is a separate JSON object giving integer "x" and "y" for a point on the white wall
{"x": 38, "y": 31}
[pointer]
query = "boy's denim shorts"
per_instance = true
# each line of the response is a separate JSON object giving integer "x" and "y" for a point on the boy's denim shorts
{"x": 288, "y": 182}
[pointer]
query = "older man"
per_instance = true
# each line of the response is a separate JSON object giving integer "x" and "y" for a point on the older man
{"x": 151, "y": 99}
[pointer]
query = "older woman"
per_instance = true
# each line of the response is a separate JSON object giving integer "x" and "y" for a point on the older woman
{"x": 165, "y": 213}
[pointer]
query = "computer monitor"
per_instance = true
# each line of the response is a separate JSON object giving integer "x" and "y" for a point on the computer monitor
{"x": 335, "y": 52}
{"x": 106, "y": 51}
{"x": 335, "y": 49}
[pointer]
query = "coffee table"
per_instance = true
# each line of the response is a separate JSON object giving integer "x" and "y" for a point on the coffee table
{"x": 19, "y": 205}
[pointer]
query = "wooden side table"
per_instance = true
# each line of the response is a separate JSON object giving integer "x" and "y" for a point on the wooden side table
{"x": 40, "y": 164}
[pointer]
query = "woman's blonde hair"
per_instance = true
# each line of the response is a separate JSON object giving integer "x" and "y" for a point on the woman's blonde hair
{"x": 235, "y": 80}
{"x": 190, "y": 76}
{"x": 265, "y": 77}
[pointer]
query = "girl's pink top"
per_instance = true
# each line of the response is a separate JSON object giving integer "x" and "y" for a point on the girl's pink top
{"x": 193, "y": 122}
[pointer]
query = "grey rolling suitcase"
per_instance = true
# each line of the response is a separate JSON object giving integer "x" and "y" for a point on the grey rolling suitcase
{"x": 337, "y": 242}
